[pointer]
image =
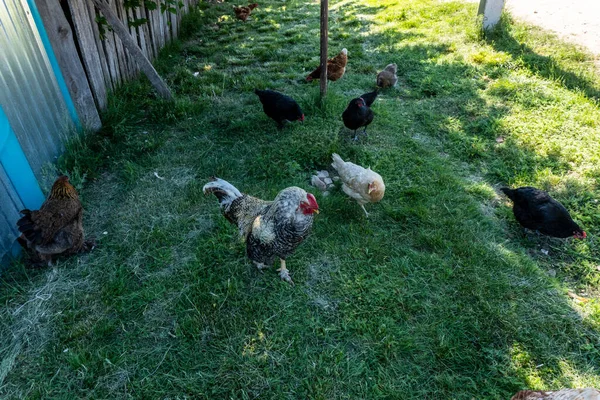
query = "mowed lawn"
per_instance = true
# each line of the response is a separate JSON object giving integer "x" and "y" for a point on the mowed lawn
{"x": 438, "y": 294}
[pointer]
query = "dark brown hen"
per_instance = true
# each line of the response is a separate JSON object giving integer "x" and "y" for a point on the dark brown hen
{"x": 270, "y": 229}
{"x": 535, "y": 209}
{"x": 57, "y": 227}
{"x": 244, "y": 12}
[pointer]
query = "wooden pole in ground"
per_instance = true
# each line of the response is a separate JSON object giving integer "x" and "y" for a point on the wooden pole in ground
{"x": 324, "y": 17}
{"x": 133, "y": 49}
{"x": 492, "y": 11}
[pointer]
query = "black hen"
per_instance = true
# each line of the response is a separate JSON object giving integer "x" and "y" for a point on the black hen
{"x": 535, "y": 209}
{"x": 359, "y": 113}
{"x": 279, "y": 107}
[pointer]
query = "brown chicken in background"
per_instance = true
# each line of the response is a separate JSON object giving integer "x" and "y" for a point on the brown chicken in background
{"x": 244, "y": 12}
{"x": 336, "y": 67}
{"x": 564, "y": 394}
{"x": 387, "y": 77}
{"x": 363, "y": 185}
{"x": 56, "y": 228}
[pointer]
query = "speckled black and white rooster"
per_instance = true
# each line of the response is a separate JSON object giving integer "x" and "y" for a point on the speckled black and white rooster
{"x": 270, "y": 228}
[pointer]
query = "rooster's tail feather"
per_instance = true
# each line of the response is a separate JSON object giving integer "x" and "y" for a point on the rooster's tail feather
{"x": 337, "y": 161}
{"x": 223, "y": 190}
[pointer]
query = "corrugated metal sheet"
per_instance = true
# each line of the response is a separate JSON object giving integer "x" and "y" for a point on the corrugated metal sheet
{"x": 33, "y": 113}
{"x": 10, "y": 204}
{"x": 29, "y": 91}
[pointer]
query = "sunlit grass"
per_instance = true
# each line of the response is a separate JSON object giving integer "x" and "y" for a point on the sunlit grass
{"x": 438, "y": 294}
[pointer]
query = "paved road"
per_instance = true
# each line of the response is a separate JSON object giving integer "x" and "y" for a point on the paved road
{"x": 577, "y": 21}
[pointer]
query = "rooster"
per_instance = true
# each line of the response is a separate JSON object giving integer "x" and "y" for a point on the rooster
{"x": 244, "y": 12}
{"x": 387, "y": 77}
{"x": 56, "y": 228}
{"x": 363, "y": 185}
{"x": 336, "y": 67}
{"x": 534, "y": 209}
{"x": 279, "y": 107}
{"x": 270, "y": 228}
{"x": 359, "y": 113}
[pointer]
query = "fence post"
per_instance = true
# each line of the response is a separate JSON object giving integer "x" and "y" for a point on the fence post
{"x": 324, "y": 17}
{"x": 492, "y": 11}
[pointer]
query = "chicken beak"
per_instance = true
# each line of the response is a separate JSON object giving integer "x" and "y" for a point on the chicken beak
{"x": 316, "y": 210}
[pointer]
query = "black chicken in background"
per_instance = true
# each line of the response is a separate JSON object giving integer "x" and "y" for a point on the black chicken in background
{"x": 279, "y": 107}
{"x": 534, "y": 209}
{"x": 359, "y": 113}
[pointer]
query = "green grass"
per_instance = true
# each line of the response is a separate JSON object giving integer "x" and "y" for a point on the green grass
{"x": 438, "y": 294}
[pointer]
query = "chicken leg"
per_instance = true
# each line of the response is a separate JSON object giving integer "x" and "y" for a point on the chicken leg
{"x": 364, "y": 132}
{"x": 261, "y": 266}
{"x": 365, "y": 210}
{"x": 284, "y": 273}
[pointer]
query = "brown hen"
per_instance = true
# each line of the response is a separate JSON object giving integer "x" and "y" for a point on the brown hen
{"x": 336, "y": 67}
{"x": 56, "y": 228}
{"x": 244, "y": 12}
{"x": 387, "y": 77}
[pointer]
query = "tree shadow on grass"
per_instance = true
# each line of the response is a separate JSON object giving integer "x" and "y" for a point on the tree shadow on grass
{"x": 503, "y": 39}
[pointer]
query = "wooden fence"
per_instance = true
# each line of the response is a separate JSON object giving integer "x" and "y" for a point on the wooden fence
{"x": 100, "y": 52}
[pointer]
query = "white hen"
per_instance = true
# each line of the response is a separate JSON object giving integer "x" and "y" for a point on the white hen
{"x": 361, "y": 184}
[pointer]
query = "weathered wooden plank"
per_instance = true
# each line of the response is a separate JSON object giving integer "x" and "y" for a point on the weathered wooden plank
{"x": 129, "y": 43}
{"x": 131, "y": 67}
{"x": 174, "y": 25}
{"x": 99, "y": 45}
{"x": 89, "y": 50}
{"x": 119, "y": 51}
{"x": 164, "y": 28}
{"x": 179, "y": 14}
{"x": 141, "y": 32}
{"x": 110, "y": 49}
{"x": 153, "y": 22}
{"x": 61, "y": 37}
{"x": 186, "y": 7}
{"x": 118, "y": 6}
{"x": 146, "y": 31}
